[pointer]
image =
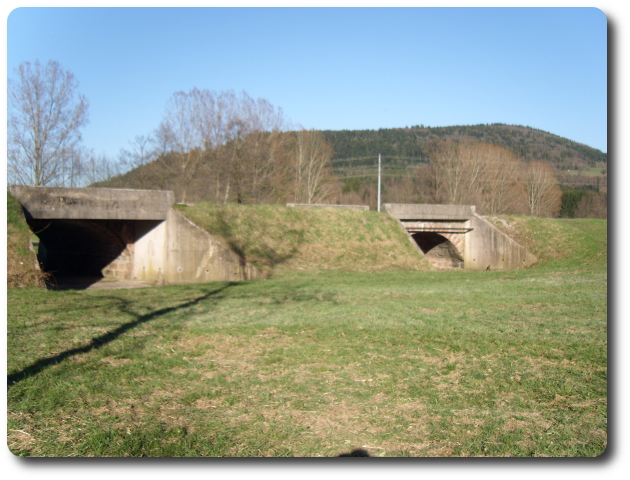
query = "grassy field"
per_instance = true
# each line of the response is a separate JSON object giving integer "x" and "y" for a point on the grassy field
{"x": 396, "y": 362}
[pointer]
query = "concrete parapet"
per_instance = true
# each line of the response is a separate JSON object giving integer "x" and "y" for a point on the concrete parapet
{"x": 326, "y": 205}
{"x": 412, "y": 211}
{"x": 92, "y": 203}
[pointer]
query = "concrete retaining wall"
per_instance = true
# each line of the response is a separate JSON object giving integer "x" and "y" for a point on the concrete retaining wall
{"x": 177, "y": 251}
{"x": 488, "y": 247}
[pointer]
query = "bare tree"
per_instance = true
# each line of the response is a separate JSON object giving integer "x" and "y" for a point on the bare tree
{"x": 182, "y": 132}
{"x": 481, "y": 174}
{"x": 313, "y": 168}
{"x": 268, "y": 167}
{"x": 454, "y": 173}
{"x": 593, "y": 205}
{"x": 501, "y": 180}
{"x": 251, "y": 154}
{"x": 142, "y": 152}
{"x": 99, "y": 168}
{"x": 211, "y": 138}
{"x": 45, "y": 118}
{"x": 544, "y": 196}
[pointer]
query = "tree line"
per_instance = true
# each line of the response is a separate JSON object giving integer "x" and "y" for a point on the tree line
{"x": 225, "y": 147}
{"x": 228, "y": 147}
{"x": 216, "y": 146}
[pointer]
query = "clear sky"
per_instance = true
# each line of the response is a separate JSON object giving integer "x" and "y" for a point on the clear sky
{"x": 330, "y": 69}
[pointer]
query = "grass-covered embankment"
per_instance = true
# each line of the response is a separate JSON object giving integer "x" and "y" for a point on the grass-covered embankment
{"x": 561, "y": 244}
{"x": 284, "y": 239}
{"x": 21, "y": 261}
{"x": 397, "y": 362}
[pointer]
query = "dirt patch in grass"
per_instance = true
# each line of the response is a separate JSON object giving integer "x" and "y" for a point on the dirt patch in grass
{"x": 22, "y": 439}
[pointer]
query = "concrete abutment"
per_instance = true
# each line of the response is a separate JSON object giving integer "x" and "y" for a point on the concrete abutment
{"x": 455, "y": 236}
{"x": 124, "y": 235}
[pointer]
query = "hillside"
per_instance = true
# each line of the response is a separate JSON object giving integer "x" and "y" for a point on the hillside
{"x": 571, "y": 244}
{"x": 355, "y": 154}
{"x": 284, "y": 239}
{"x": 408, "y": 146}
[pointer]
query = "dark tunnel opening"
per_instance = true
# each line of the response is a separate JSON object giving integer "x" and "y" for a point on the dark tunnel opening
{"x": 438, "y": 250}
{"x": 77, "y": 251}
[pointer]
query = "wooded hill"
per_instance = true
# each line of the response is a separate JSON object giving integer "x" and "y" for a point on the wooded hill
{"x": 405, "y": 147}
{"x": 223, "y": 174}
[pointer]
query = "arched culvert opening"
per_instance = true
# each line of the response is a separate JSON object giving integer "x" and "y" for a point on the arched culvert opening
{"x": 438, "y": 250}
{"x": 78, "y": 251}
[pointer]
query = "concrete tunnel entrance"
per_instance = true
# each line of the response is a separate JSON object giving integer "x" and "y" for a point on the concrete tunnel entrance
{"x": 438, "y": 250}
{"x": 83, "y": 251}
{"x": 134, "y": 236}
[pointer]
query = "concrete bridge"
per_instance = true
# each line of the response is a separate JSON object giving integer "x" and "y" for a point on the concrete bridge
{"x": 97, "y": 233}
{"x": 119, "y": 234}
{"x": 454, "y": 237}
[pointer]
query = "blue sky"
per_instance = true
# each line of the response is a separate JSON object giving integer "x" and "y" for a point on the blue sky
{"x": 330, "y": 69}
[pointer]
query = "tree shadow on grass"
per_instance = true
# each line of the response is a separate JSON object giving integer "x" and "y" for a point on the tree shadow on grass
{"x": 358, "y": 452}
{"x": 106, "y": 338}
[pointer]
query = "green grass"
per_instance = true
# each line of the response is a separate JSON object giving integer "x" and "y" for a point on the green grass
{"x": 400, "y": 363}
{"x": 21, "y": 261}
{"x": 282, "y": 239}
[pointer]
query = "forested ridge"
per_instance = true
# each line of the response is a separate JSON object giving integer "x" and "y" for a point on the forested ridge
{"x": 411, "y": 171}
{"x": 409, "y": 146}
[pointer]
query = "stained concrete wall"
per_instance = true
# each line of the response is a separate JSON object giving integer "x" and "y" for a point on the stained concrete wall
{"x": 127, "y": 234}
{"x": 489, "y": 247}
{"x": 92, "y": 203}
{"x": 484, "y": 246}
{"x": 177, "y": 251}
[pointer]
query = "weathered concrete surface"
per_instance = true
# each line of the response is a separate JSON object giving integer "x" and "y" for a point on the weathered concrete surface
{"x": 490, "y": 248}
{"x": 412, "y": 211}
{"x": 92, "y": 203}
{"x": 126, "y": 235}
{"x": 177, "y": 251}
{"x": 454, "y": 236}
{"x": 328, "y": 205}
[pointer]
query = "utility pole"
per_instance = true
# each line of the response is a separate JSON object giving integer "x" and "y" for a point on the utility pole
{"x": 379, "y": 182}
